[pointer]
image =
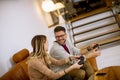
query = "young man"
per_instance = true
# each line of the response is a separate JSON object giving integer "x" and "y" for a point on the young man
{"x": 62, "y": 49}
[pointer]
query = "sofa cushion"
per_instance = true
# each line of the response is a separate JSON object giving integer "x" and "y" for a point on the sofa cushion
{"x": 21, "y": 55}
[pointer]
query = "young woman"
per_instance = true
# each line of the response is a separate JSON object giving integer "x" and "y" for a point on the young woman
{"x": 38, "y": 63}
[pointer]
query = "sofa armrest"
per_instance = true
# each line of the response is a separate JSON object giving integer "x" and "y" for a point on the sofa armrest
{"x": 20, "y": 70}
{"x": 17, "y": 72}
{"x": 92, "y": 61}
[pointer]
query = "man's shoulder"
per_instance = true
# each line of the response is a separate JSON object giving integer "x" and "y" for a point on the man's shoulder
{"x": 55, "y": 47}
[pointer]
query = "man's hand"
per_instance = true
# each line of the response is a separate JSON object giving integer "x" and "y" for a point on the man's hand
{"x": 92, "y": 46}
{"x": 93, "y": 53}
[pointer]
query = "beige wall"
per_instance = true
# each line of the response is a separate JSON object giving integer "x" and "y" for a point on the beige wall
{"x": 20, "y": 20}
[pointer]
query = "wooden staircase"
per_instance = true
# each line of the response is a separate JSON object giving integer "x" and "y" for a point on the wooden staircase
{"x": 101, "y": 26}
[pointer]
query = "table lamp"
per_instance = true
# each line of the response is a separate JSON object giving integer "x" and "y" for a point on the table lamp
{"x": 49, "y": 6}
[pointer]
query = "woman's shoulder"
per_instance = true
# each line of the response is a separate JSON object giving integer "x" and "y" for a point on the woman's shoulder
{"x": 32, "y": 60}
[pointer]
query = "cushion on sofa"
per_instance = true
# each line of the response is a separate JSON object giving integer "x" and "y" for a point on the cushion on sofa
{"x": 21, "y": 55}
{"x": 20, "y": 70}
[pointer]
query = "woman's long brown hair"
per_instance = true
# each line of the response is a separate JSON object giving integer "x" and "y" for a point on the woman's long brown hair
{"x": 37, "y": 43}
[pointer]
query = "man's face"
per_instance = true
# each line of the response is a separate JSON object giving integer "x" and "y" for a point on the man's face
{"x": 60, "y": 37}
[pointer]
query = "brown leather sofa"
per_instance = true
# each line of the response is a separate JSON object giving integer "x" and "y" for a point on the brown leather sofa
{"x": 19, "y": 71}
{"x": 111, "y": 73}
{"x": 92, "y": 61}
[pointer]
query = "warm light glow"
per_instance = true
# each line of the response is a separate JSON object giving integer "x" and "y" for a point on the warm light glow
{"x": 48, "y": 5}
{"x": 59, "y": 5}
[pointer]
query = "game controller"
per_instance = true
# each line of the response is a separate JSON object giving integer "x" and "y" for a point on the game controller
{"x": 81, "y": 60}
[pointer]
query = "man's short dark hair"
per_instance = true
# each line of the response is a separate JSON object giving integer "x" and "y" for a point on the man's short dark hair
{"x": 59, "y": 28}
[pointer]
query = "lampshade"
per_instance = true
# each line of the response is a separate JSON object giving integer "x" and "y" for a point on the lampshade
{"x": 48, "y": 5}
{"x": 59, "y": 5}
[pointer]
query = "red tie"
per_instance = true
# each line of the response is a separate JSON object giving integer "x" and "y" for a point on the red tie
{"x": 65, "y": 47}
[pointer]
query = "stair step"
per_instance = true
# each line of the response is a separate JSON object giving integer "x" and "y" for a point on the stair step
{"x": 107, "y": 41}
{"x": 94, "y": 12}
{"x": 94, "y": 28}
{"x": 98, "y": 35}
{"x": 92, "y": 21}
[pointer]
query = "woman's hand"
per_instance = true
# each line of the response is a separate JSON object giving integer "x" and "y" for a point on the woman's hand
{"x": 76, "y": 65}
{"x": 75, "y": 57}
{"x": 72, "y": 67}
